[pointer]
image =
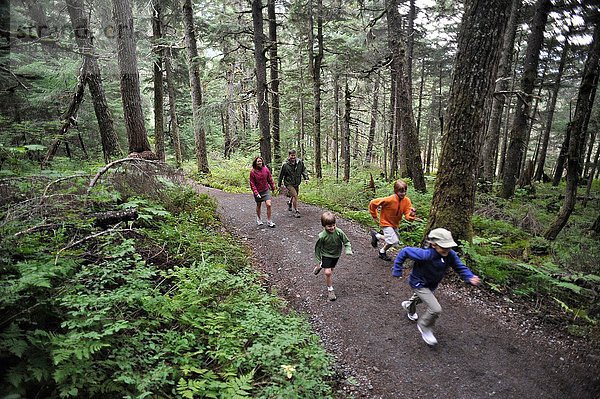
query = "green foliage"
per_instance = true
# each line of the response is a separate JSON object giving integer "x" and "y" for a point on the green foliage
{"x": 167, "y": 309}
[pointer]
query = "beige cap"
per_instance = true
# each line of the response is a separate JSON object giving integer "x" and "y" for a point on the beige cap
{"x": 441, "y": 237}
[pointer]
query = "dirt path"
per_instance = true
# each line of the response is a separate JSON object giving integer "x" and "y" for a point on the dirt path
{"x": 482, "y": 352}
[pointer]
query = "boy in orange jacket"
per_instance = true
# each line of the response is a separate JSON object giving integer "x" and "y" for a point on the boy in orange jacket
{"x": 391, "y": 209}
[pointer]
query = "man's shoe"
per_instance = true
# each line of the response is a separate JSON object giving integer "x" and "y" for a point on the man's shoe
{"x": 331, "y": 295}
{"x": 297, "y": 214}
{"x": 374, "y": 239}
{"x": 316, "y": 270}
{"x": 427, "y": 335}
{"x": 290, "y": 206}
{"x": 270, "y": 223}
{"x": 411, "y": 316}
{"x": 385, "y": 257}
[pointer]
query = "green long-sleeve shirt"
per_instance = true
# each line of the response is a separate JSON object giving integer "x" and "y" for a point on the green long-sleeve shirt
{"x": 330, "y": 244}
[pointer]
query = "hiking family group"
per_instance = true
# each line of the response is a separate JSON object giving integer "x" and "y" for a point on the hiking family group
{"x": 430, "y": 263}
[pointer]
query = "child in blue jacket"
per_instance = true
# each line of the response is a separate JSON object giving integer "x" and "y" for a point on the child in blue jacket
{"x": 430, "y": 267}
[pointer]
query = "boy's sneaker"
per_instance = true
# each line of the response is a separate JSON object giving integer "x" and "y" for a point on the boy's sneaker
{"x": 316, "y": 270}
{"x": 384, "y": 256}
{"x": 427, "y": 335}
{"x": 331, "y": 295}
{"x": 411, "y": 316}
{"x": 297, "y": 214}
{"x": 259, "y": 222}
{"x": 270, "y": 223}
{"x": 290, "y": 206}
{"x": 374, "y": 239}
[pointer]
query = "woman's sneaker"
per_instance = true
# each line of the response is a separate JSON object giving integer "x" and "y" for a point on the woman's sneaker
{"x": 411, "y": 316}
{"x": 270, "y": 223}
{"x": 259, "y": 222}
{"x": 297, "y": 214}
{"x": 331, "y": 295}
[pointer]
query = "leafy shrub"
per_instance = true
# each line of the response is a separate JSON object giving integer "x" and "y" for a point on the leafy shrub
{"x": 89, "y": 313}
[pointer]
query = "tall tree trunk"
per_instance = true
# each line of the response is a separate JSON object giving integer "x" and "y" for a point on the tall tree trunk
{"x": 373, "y": 124}
{"x": 174, "y": 122}
{"x": 261, "y": 81}
{"x": 405, "y": 121}
{"x": 522, "y": 113}
{"x": 130, "y": 79}
{"x": 229, "y": 115}
{"x": 159, "y": 132}
{"x": 492, "y": 140}
{"x": 315, "y": 67}
{"x": 578, "y": 128}
{"x": 539, "y": 173}
{"x": 420, "y": 100}
{"x": 475, "y": 69}
{"x": 346, "y": 130}
{"x": 274, "y": 69}
{"x": 336, "y": 125}
{"x": 70, "y": 116}
{"x": 562, "y": 157}
{"x": 93, "y": 78}
{"x": 590, "y": 177}
{"x": 195, "y": 86}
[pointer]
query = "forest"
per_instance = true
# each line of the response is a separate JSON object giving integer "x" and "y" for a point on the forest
{"x": 112, "y": 111}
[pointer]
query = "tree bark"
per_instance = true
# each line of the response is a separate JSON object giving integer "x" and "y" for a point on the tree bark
{"x": 93, "y": 78}
{"x": 550, "y": 114}
{"x": 274, "y": 69}
{"x": 159, "y": 132}
{"x": 174, "y": 122}
{"x": 373, "y": 124}
{"x": 404, "y": 121}
{"x": 492, "y": 141}
{"x": 578, "y": 128}
{"x": 475, "y": 70}
{"x": 69, "y": 117}
{"x": 519, "y": 126}
{"x": 315, "y": 60}
{"x": 129, "y": 77}
{"x": 195, "y": 86}
{"x": 261, "y": 81}
{"x": 346, "y": 130}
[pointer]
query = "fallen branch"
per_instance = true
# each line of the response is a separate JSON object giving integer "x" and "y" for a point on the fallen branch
{"x": 113, "y": 230}
{"x": 57, "y": 181}
{"x": 105, "y": 219}
{"x": 37, "y": 228}
{"x": 110, "y": 165}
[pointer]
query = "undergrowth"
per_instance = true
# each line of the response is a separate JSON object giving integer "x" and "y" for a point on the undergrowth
{"x": 161, "y": 306}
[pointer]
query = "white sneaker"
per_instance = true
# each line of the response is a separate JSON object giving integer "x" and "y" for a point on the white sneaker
{"x": 411, "y": 316}
{"x": 427, "y": 335}
{"x": 259, "y": 222}
{"x": 270, "y": 223}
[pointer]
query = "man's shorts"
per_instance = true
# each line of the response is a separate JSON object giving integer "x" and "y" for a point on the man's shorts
{"x": 328, "y": 263}
{"x": 390, "y": 235}
{"x": 292, "y": 191}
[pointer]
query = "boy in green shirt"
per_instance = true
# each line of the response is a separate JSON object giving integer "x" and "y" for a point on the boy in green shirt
{"x": 328, "y": 249}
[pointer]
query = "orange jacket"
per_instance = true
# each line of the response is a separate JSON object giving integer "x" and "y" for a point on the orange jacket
{"x": 391, "y": 210}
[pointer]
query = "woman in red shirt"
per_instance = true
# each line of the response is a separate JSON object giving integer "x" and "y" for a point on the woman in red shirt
{"x": 260, "y": 182}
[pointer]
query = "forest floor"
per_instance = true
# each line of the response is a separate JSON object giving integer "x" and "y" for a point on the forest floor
{"x": 487, "y": 348}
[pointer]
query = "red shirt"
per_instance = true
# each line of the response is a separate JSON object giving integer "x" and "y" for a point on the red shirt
{"x": 261, "y": 180}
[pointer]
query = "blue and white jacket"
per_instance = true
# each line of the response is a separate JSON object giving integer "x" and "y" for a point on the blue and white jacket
{"x": 430, "y": 267}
